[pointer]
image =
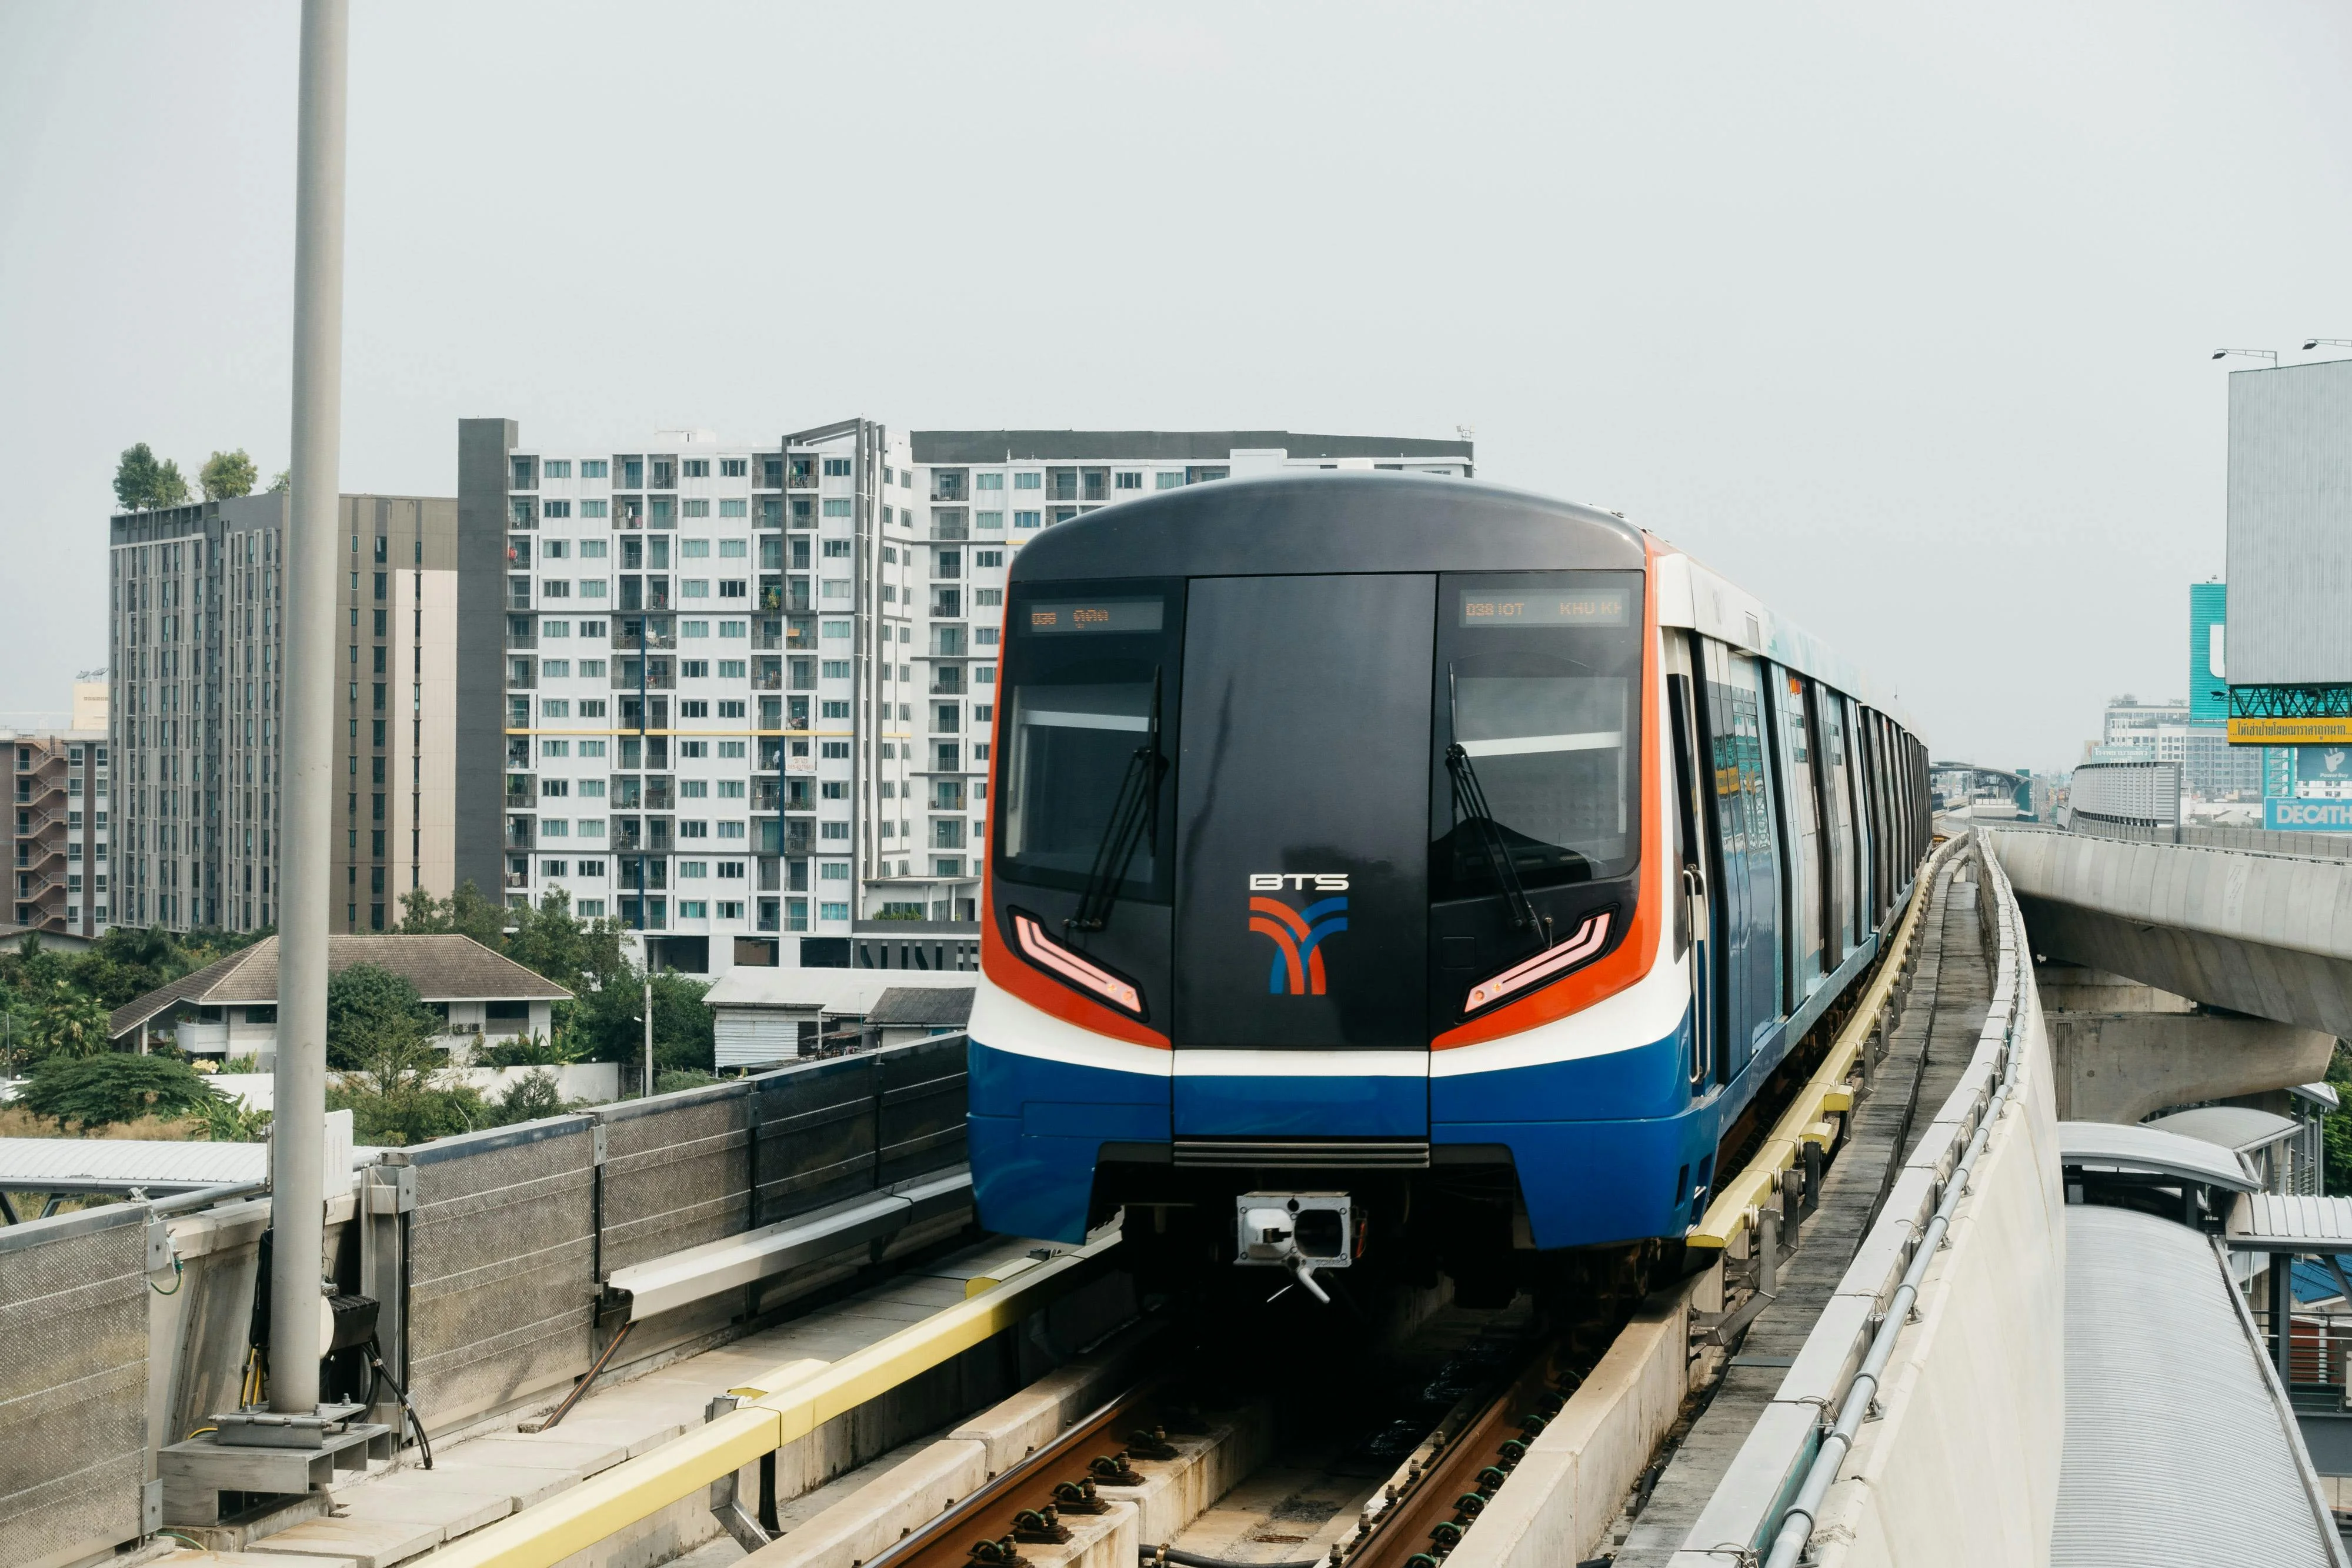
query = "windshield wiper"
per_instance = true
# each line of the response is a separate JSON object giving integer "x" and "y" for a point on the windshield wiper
{"x": 1134, "y": 814}
{"x": 1470, "y": 803}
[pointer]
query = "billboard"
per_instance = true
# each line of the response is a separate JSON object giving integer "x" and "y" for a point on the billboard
{"x": 2307, "y": 816}
{"x": 2323, "y": 764}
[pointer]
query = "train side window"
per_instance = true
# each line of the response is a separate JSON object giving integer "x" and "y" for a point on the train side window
{"x": 1800, "y": 791}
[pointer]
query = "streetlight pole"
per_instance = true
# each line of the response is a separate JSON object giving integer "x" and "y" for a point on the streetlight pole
{"x": 297, "y": 1177}
{"x": 649, "y": 1034}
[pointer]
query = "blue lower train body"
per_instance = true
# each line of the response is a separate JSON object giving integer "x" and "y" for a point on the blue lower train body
{"x": 1038, "y": 1126}
{"x": 1609, "y": 1146}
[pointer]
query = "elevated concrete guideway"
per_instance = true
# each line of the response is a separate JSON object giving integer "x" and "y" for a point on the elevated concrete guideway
{"x": 2263, "y": 934}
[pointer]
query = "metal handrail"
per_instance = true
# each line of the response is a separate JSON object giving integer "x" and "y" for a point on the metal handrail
{"x": 1858, "y": 1393}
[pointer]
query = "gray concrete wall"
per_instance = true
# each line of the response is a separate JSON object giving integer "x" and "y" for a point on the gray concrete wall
{"x": 2123, "y": 1066}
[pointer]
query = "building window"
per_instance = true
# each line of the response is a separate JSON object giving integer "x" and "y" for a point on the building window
{"x": 837, "y": 468}
{"x": 693, "y": 910}
{"x": 837, "y": 506}
{"x": 1027, "y": 518}
{"x": 1168, "y": 481}
{"x": 1128, "y": 480}
{"x": 833, "y": 871}
{"x": 834, "y": 911}
{"x": 734, "y": 468}
{"x": 1030, "y": 481}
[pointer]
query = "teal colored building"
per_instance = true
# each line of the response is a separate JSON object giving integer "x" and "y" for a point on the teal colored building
{"x": 2209, "y": 687}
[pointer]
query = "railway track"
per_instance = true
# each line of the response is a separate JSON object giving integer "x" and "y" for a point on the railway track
{"x": 1375, "y": 1458}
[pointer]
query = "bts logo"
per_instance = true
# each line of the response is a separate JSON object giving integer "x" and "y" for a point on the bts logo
{"x": 1298, "y": 934}
{"x": 1305, "y": 881}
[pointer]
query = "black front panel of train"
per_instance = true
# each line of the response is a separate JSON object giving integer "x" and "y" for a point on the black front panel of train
{"x": 1302, "y": 892}
{"x": 1084, "y": 816}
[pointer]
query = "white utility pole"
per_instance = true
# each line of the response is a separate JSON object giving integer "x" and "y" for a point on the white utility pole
{"x": 650, "y": 1032}
{"x": 308, "y": 787}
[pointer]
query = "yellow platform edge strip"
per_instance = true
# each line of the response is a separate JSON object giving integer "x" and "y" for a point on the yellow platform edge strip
{"x": 1806, "y": 1120}
{"x": 792, "y": 1400}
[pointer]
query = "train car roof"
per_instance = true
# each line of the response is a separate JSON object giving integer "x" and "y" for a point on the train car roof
{"x": 1354, "y": 521}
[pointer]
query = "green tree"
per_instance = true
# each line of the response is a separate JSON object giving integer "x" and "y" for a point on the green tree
{"x": 67, "y": 1024}
{"x": 464, "y": 912}
{"x": 135, "y": 478}
{"x": 283, "y": 482}
{"x": 226, "y": 475}
{"x": 95, "y": 1091}
{"x": 528, "y": 1099}
{"x": 375, "y": 1020}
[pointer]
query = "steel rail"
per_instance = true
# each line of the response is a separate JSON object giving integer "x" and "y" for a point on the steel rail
{"x": 1435, "y": 1503}
{"x": 989, "y": 1526}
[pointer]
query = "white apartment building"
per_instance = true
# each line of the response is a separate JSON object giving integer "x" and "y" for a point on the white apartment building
{"x": 749, "y": 686}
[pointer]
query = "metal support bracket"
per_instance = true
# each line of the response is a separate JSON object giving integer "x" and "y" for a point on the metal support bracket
{"x": 1719, "y": 1331}
{"x": 725, "y": 1499}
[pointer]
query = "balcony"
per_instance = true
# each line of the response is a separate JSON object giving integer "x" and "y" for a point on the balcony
{"x": 768, "y": 636}
{"x": 950, "y": 529}
{"x": 522, "y": 791}
{"x": 656, "y": 674}
{"x": 947, "y": 680}
{"x": 638, "y": 636}
{"x": 802, "y": 475}
{"x": 767, "y": 680}
{"x": 522, "y": 833}
{"x": 659, "y": 790}
{"x": 948, "y": 485}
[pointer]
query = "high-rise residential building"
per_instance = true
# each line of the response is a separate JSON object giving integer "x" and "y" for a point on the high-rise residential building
{"x": 62, "y": 836}
{"x": 196, "y": 600}
{"x": 747, "y": 689}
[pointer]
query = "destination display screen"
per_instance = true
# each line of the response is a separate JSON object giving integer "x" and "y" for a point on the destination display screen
{"x": 1046, "y": 618}
{"x": 1520, "y": 606}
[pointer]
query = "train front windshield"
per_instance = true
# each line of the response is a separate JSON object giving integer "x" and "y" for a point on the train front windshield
{"x": 1084, "y": 744}
{"x": 1538, "y": 720}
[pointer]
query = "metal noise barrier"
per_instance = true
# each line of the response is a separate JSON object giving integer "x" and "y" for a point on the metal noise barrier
{"x": 1859, "y": 1394}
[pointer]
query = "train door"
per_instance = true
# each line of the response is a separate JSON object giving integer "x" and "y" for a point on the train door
{"x": 1858, "y": 789}
{"x": 1800, "y": 805}
{"x": 1837, "y": 823}
{"x": 1747, "y": 894}
{"x": 1694, "y": 919}
{"x": 1302, "y": 900}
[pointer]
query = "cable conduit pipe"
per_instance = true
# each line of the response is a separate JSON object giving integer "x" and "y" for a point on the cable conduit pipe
{"x": 1861, "y": 1391}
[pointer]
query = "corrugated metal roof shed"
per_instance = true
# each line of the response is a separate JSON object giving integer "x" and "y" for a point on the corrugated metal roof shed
{"x": 115, "y": 1164}
{"x": 931, "y": 1006}
{"x": 2324, "y": 1222}
{"x": 2235, "y": 1127}
{"x": 2108, "y": 1145}
{"x": 2180, "y": 1451}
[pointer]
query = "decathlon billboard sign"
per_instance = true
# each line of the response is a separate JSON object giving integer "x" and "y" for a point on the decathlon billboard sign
{"x": 2307, "y": 816}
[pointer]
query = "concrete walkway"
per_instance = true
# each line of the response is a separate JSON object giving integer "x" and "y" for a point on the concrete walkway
{"x": 1931, "y": 1044}
{"x": 406, "y": 1514}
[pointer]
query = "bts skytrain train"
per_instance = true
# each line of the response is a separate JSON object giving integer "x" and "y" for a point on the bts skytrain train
{"x": 1406, "y": 871}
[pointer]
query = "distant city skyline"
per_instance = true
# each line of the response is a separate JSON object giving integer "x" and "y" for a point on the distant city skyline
{"x": 1901, "y": 320}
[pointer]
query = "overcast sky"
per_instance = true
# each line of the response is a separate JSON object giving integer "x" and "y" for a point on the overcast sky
{"x": 1898, "y": 316}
